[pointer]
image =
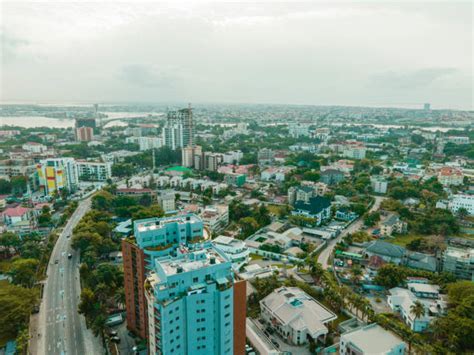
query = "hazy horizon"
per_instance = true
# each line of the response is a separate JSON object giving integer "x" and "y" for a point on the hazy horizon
{"x": 338, "y": 54}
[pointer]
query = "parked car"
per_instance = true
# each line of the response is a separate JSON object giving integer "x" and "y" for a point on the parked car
{"x": 113, "y": 333}
{"x": 115, "y": 339}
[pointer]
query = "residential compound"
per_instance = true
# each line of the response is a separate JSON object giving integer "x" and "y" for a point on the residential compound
{"x": 295, "y": 315}
{"x": 181, "y": 292}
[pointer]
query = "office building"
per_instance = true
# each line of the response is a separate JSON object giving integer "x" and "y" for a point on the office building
{"x": 147, "y": 143}
{"x": 265, "y": 156}
{"x": 93, "y": 170}
{"x": 34, "y": 147}
{"x": 458, "y": 201}
{"x": 178, "y": 131}
{"x": 57, "y": 174}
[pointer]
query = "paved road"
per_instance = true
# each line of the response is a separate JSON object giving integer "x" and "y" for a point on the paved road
{"x": 63, "y": 329}
{"x": 355, "y": 226}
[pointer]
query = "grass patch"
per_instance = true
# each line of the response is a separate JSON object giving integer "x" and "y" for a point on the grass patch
{"x": 276, "y": 209}
{"x": 5, "y": 266}
{"x": 256, "y": 257}
{"x": 404, "y": 239}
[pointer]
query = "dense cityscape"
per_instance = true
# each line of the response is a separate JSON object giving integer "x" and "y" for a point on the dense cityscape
{"x": 236, "y": 229}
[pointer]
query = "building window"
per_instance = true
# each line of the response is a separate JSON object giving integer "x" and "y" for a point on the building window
{"x": 195, "y": 279}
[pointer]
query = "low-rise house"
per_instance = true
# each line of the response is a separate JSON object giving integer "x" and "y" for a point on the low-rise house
{"x": 371, "y": 339}
{"x": 13, "y": 215}
{"x": 402, "y": 300}
{"x": 393, "y": 224}
{"x": 295, "y": 315}
{"x": 389, "y": 252}
{"x": 317, "y": 207}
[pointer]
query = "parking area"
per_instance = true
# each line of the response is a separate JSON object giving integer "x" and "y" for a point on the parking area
{"x": 282, "y": 346}
{"x": 127, "y": 342}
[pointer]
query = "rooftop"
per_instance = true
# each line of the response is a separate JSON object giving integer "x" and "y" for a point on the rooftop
{"x": 296, "y": 308}
{"x": 144, "y": 225}
{"x": 373, "y": 339}
{"x": 191, "y": 260}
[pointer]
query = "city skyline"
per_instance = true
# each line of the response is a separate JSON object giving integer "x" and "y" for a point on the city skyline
{"x": 357, "y": 54}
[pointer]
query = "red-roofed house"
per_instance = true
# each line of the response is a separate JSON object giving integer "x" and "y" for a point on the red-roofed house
{"x": 448, "y": 176}
{"x": 17, "y": 214}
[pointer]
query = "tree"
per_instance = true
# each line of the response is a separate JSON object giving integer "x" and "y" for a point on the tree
{"x": 371, "y": 219}
{"x": 16, "y": 304}
{"x": 5, "y": 187}
{"x": 462, "y": 213}
{"x": 356, "y": 273}
{"x": 23, "y": 272}
{"x": 9, "y": 241}
{"x": 417, "y": 309}
{"x": 389, "y": 276}
{"x": 248, "y": 226}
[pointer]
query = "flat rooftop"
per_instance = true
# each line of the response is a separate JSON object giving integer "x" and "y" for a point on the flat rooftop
{"x": 373, "y": 339}
{"x": 149, "y": 224}
{"x": 191, "y": 260}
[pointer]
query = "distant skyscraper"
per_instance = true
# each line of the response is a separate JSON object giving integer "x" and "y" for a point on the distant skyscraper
{"x": 427, "y": 107}
{"x": 179, "y": 129}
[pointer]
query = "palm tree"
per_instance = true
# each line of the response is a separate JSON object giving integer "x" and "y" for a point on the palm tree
{"x": 356, "y": 273}
{"x": 119, "y": 297}
{"x": 418, "y": 310}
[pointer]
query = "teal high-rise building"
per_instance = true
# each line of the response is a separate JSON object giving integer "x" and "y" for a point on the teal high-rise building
{"x": 181, "y": 292}
{"x": 190, "y": 301}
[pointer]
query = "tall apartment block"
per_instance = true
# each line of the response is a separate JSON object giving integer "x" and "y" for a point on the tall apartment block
{"x": 181, "y": 293}
{"x": 178, "y": 131}
{"x": 57, "y": 174}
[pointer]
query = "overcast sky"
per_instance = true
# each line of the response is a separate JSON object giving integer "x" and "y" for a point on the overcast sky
{"x": 322, "y": 53}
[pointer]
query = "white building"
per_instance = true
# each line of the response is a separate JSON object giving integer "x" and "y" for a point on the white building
{"x": 297, "y": 130}
{"x": 379, "y": 185}
{"x": 448, "y": 176}
{"x": 232, "y": 157}
{"x": 458, "y": 139}
{"x": 94, "y": 171}
{"x": 34, "y": 147}
{"x": 461, "y": 201}
{"x": 371, "y": 339}
{"x": 147, "y": 143}
{"x": 234, "y": 249}
{"x": 460, "y": 262}
{"x": 295, "y": 315}
{"x": 401, "y": 300}
{"x": 216, "y": 217}
{"x": 166, "y": 200}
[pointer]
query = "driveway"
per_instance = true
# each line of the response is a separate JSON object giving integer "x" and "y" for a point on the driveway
{"x": 353, "y": 227}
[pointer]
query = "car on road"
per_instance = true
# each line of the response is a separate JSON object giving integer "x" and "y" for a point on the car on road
{"x": 69, "y": 256}
{"x": 115, "y": 339}
{"x": 113, "y": 333}
{"x": 274, "y": 342}
{"x": 56, "y": 261}
{"x": 68, "y": 236}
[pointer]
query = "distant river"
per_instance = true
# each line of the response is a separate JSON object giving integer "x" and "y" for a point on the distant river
{"x": 40, "y": 121}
